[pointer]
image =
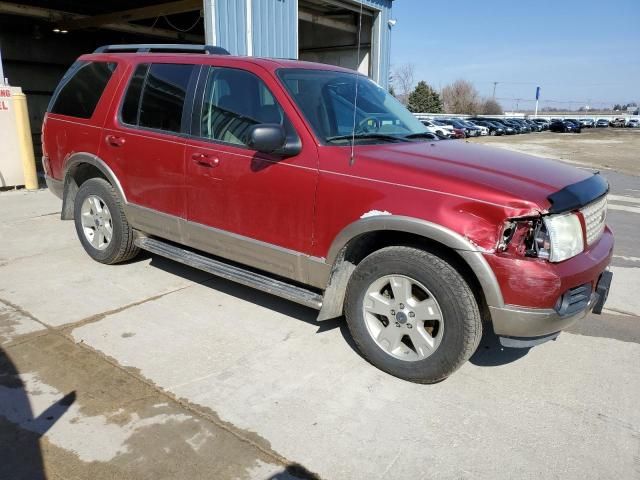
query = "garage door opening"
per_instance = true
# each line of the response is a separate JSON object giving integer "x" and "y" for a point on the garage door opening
{"x": 328, "y": 33}
{"x": 40, "y": 39}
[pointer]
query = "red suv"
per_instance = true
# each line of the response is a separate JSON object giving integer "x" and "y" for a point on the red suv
{"x": 311, "y": 182}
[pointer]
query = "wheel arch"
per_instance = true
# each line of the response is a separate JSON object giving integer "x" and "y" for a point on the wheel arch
{"x": 367, "y": 235}
{"x": 79, "y": 168}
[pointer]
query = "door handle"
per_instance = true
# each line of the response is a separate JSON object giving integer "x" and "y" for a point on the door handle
{"x": 205, "y": 160}
{"x": 114, "y": 141}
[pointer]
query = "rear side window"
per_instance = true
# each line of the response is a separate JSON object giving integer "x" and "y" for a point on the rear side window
{"x": 156, "y": 95}
{"x": 131, "y": 104}
{"x": 81, "y": 88}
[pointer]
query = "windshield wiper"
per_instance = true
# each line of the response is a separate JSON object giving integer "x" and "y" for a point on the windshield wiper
{"x": 375, "y": 136}
{"x": 428, "y": 135}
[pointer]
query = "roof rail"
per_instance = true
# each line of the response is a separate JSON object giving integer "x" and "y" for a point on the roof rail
{"x": 162, "y": 47}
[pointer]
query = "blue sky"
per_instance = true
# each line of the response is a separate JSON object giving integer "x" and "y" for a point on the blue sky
{"x": 580, "y": 51}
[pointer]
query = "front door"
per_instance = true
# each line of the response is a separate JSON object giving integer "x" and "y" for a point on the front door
{"x": 262, "y": 200}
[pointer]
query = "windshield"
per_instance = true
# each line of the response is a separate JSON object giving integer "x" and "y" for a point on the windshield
{"x": 326, "y": 99}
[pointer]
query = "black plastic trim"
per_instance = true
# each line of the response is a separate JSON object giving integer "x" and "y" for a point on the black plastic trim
{"x": 602, "y": 289}
{"x": 575, "y": 300}
{"x": 579, "y": 194}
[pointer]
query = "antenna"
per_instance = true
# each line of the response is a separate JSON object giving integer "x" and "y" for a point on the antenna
{"x": 352, "y": 158}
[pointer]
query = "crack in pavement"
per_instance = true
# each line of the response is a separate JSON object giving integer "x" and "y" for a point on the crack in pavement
{"x": 63, "y": 332}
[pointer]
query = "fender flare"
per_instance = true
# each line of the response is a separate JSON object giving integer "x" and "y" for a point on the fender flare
{"x": 71, "y": 188}
{"x": 341, "y": 271}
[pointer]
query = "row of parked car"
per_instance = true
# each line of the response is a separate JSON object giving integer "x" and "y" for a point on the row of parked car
{"x": 620, "y": 122}
{"x": 446, "y": 128}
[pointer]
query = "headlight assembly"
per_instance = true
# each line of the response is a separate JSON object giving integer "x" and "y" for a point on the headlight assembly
{"x": 560, "y": 238}
{"x": 554, "y": 238}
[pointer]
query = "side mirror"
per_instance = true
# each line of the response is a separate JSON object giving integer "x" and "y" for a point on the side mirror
{"x": 272, "y": 138}
{"x": 267, "y": 137}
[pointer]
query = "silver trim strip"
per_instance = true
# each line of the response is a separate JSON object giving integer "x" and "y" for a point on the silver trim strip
{"x": 85, "y": 157}
{"x": 470, "y": 253}
{"x": 231, "y": 272}
{"x": 254, "y": 253}
{"x": 515, "y": 321}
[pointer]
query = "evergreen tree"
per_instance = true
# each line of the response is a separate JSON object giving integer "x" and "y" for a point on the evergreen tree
{"x": 424, "y": 99}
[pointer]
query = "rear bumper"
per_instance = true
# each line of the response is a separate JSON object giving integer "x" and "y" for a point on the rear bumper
{"x": 55, "y": 186}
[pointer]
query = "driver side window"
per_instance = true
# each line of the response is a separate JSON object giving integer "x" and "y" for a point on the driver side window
{"x": 234, "y": 101}
{"x": 343, "y": 114}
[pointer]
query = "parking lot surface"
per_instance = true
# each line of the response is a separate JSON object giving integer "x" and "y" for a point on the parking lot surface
{"x": 154, "y": 370}
{"x": 606, "y": 149}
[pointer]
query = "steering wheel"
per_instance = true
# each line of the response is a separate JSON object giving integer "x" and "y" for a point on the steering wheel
{"x": 368, "y": 125}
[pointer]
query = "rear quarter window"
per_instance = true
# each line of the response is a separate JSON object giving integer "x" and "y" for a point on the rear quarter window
{"x": 80, "y": 89}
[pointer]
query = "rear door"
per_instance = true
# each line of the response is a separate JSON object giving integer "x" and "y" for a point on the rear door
{"x": 144, "y": 140}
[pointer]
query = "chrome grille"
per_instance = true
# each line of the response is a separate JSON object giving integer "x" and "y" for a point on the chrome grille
{"x": 595, "y": 217}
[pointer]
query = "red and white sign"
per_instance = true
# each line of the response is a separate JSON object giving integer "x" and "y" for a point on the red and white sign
{"x": 5, "y": 95}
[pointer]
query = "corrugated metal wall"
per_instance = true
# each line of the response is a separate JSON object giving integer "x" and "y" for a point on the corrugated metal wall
{"x": 381, "y": 48}
{"x": 274, "y": 30}
{"x": 231, "y": 25}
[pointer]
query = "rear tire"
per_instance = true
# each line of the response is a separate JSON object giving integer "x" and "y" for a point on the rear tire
{"x": 101, "y": 224}
{"x": 389, "y": 296}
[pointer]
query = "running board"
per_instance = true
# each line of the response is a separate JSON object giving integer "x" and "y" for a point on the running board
{"x": 230, "y": 272}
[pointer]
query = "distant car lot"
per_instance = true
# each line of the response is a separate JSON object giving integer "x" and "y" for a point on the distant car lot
{"x": 475, "y": 126}
{"x": 174, "y": 370}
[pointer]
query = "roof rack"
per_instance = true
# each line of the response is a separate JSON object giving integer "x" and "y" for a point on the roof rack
{"x": 162, "y": 47}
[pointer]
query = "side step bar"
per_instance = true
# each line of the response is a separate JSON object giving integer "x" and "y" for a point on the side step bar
{"x": 230, "y": 272}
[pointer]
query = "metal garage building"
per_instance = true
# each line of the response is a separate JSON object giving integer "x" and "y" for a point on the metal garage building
{"x": 39, "y": 39}
{"x": 316, "y": 30}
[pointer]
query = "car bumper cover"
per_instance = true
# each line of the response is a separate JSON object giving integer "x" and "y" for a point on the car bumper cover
{"x": 55, "y": 186}
{"x": 524, "y": 327}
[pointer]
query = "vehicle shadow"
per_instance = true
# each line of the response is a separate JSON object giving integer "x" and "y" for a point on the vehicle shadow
{"x": 20, "y": 431}
{"x": 490, "y": 353}
{"x": 248, "y": 294}
{"x": 294, "y": 471}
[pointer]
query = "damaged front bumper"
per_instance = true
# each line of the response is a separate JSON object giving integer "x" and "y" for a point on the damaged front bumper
{"x": 521, "y": 327}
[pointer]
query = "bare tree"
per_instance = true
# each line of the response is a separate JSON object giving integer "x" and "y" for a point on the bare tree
{"x": 461, "y": 97}
{"x": 403, "y": 77}
{"x": 491, "y": 107}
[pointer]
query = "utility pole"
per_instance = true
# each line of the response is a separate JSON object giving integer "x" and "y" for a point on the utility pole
{"x": 495, "y": 84}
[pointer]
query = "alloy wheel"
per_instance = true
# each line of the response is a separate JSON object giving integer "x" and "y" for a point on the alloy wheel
{"x": 403, "y": 317}
{"x": 97, "y": 223}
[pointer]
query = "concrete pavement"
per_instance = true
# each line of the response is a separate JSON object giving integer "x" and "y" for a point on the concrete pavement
{"x": 178, "y": 374}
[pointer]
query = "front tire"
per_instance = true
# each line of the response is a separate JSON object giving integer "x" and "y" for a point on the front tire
{"x": 101, "y": 224}
{"x": 412, "y": 314}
